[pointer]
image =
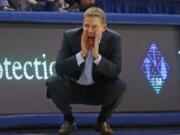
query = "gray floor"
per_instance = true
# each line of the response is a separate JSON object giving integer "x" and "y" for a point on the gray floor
{"x": 90, "y": 131}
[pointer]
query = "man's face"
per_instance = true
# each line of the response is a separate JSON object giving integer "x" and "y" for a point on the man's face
{"x": 93, "y": 24}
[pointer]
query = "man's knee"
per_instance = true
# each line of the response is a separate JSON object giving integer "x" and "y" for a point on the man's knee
{"x": 119, "y": 84}
{"x": 53, "y": 80}
{"x": 118, "y": 87}
{"x": 53, "y": 83}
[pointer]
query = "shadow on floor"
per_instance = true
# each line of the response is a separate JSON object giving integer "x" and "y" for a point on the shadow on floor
{"x": 91, "y": 131}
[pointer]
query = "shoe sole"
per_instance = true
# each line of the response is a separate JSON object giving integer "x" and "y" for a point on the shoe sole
{"x": 74, "y": 128}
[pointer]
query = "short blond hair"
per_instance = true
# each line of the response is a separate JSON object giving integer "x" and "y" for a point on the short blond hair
{"x": 95, "y": 11}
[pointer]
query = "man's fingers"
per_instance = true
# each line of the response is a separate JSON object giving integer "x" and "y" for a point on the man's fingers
{"x": 84, "y": 42}
{"x": 85, "y": 35}
{"x": 97, "y": 35}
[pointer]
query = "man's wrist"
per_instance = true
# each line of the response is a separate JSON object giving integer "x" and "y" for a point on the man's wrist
{"x": 96, "y": 56}
{"x": 79, "y": 59}
{"x": 83, "y": 54}
{"x": 97, "y": 61}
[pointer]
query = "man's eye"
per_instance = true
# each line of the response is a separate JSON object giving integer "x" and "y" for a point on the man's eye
{"x": 86, "y": 25}
{"x": 94, "y": 27}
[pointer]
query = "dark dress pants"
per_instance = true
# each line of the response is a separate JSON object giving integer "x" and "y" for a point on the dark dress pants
{"x": 64, "y": 93}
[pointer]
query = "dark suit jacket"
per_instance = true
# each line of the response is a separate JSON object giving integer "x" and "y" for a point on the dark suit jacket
{"x": 109, "y": 48}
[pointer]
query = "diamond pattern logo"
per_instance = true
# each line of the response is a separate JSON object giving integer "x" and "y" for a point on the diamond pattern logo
{"x": 155, "y": 68}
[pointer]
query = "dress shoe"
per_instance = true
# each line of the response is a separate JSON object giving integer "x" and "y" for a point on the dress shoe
{"x": 67, "y": 128}
{"x": 104, "y": 128}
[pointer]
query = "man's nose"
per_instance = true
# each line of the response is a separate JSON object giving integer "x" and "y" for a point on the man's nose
{"x": 90, "y": 29}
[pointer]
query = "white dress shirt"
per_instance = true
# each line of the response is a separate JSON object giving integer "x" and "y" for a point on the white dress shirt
{"x": 86, "y": 77}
